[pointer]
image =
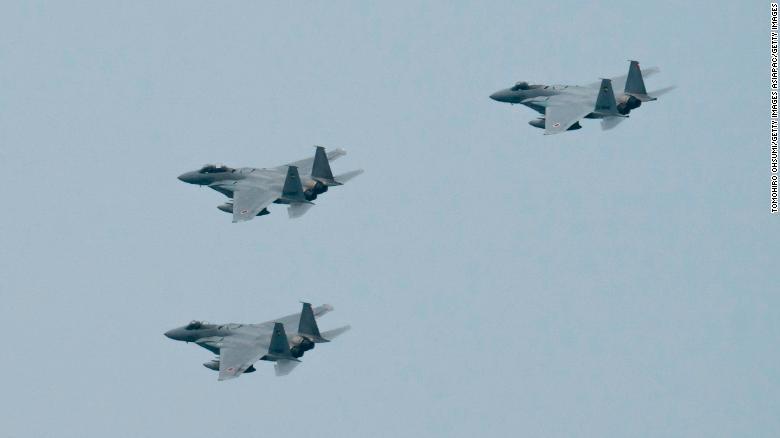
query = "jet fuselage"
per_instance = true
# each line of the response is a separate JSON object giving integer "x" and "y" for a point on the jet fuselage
{"x": 533, "y": 96}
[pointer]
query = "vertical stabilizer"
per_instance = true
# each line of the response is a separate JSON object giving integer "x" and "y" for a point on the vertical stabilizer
{"x": 320, "y": 169}
{"x": 308, "y": 325}
{"x": 293, "y": 190}
{"x": 280, "y": 346}
{"x": 605, "y": 102}
{"x": 635, "y": 85}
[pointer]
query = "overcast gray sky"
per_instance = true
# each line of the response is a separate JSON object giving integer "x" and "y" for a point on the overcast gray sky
{"x": 498, "y": 281}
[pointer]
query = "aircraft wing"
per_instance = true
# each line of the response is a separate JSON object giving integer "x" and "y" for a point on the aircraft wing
{"x": 292, "y": 320}
{"x": 248, "y": 201}
{"x": 235, "y": 357}
{"x": 619, "y": 82}
{"x": 305, "y": 165}
{"x": 561, "y": 113}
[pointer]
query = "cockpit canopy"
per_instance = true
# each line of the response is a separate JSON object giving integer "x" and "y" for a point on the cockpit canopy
{"x": 194, "y": 325}
{"x": 523, "y": 85}
{"x": 520, "y": 86}
{"x": 214, "y": 168}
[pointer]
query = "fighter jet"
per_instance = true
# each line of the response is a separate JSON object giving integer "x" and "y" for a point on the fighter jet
{"x": 239, "y": 346}
{"x": 253, "y": 190}
{"x": 562, "y": 106}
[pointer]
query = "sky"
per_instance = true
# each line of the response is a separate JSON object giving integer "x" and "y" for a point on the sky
{"x": 499, "y": 282}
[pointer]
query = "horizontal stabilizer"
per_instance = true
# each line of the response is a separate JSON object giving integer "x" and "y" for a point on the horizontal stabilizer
{"x": 662, "y": 91}
{"x": 285, "y": 367}
{"x": 653, "y": 94}
{"x": 297, "y": 210}
{"x": 608, "y": 123}
{"x": 332, "y": 334}
{"x": 344, "y": 177}
{"x": 643, "y": 97}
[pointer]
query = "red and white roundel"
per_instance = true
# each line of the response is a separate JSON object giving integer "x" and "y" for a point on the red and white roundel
{"x": 556, "y": 124}
{"x": 244, "y": 211}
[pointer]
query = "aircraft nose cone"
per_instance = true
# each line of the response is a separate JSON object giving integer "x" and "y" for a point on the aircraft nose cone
{"x": 170, "y": 334}
{"x": 188, "y": 177}
{"x": 502, "y": 96}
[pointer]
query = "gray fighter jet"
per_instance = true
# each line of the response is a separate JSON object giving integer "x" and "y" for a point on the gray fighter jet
{"x": 239, "y": 346}
{"x": 253, "y": 190}
{"x": 564, "y": 105}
